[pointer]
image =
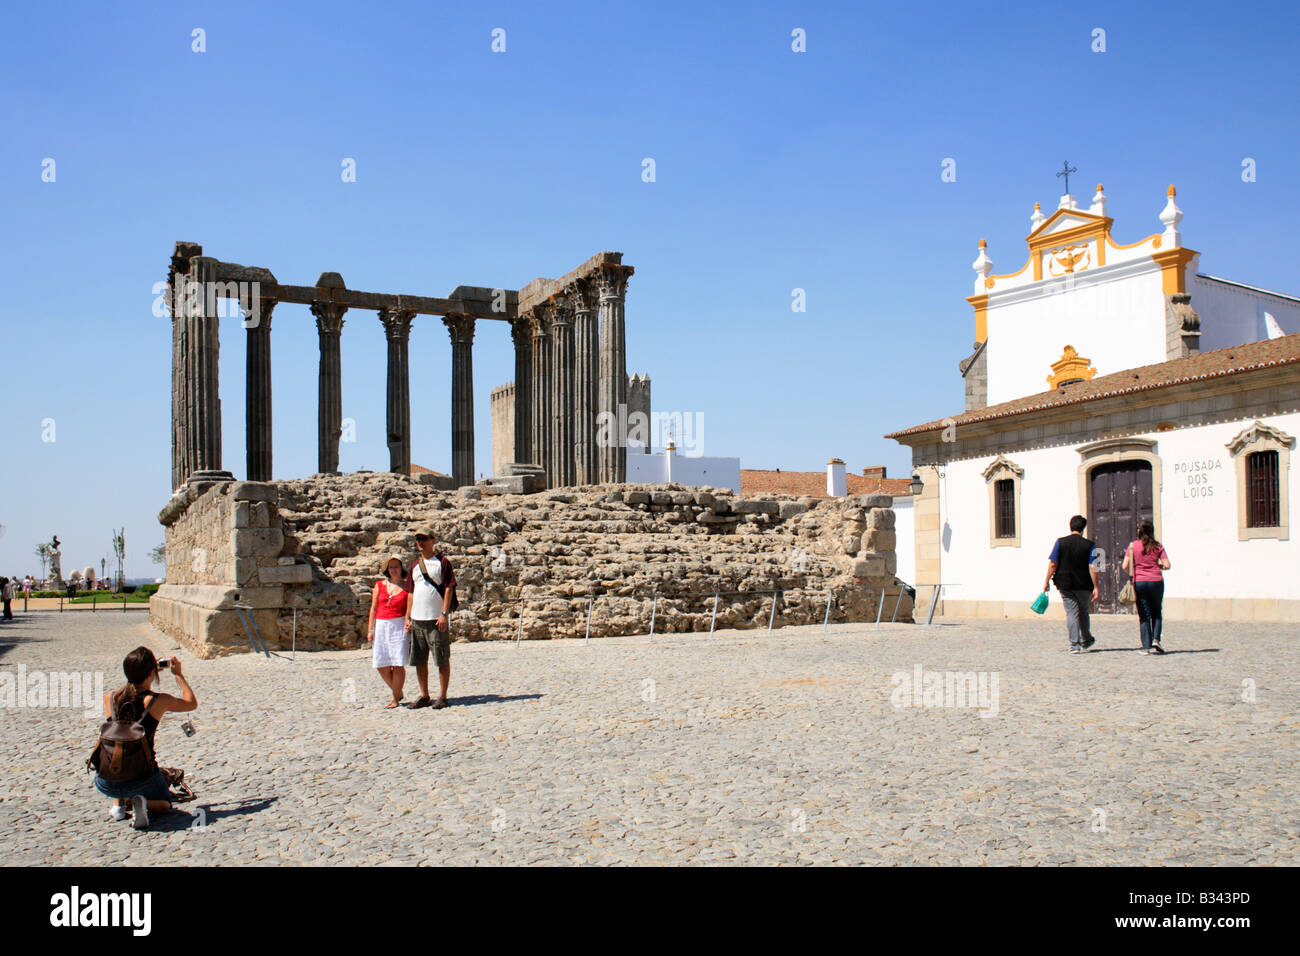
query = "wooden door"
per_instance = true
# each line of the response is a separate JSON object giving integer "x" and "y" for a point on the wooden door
{"x": 1119, "y": 497}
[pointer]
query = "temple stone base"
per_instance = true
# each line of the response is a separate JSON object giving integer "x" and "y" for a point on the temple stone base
{"x": 316, "y": 546}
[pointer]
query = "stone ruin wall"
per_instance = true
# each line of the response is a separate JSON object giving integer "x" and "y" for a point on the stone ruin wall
{"x": 316, "y": 544}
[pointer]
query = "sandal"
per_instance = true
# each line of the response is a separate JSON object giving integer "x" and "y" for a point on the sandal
{"x": 391, "y": 704}
{"x": 440, "y": 703}
{"x": 420, "y": 702}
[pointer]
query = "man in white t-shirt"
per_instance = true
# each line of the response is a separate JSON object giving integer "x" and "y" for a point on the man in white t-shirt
{"x": 432, "y": 585}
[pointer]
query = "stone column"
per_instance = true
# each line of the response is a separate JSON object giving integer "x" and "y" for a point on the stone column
{"x": 329, "y": 405}
{"x": 461, "y": 327}
{"x": 203, "y": 360}
{"x": 541, "y": 388}
{"x": 522, "y": 335}
{"x": 562, "y": 391}
{"x": 257, "y": 390}
{"x": 397, "y": 328}
{"x": 611, "y": 283}
{"x": 586, "y": 377}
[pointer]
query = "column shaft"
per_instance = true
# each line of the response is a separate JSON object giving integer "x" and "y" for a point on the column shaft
{"x": 586, "y": 377}
{"x": 257, "y": 391}
{"x": 203, "y": 358}
{"x": 562, "y": 397}
{"x": 329, "y": 406}
{"x": 461, "y": 328}
{"x": 541, "y": 389}
{"x": 397, "y": 329}
{"x": 522, "y": 336}
{"x": 612, "y": 284}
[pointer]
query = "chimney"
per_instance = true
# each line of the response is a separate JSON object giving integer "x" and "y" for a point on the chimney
{"x": 875, "y": 471}
{"x": 837, "y": 483}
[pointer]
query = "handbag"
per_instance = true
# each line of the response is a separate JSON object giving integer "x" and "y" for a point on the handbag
{"x": 1128, "y": 593}
{"x": 1040, "y": 603}
{"x": 182, "y": 792}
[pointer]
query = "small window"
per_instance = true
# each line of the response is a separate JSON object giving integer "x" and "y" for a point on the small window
{"x": 1263, "y": 498}
{"x": 1004, "y": 493}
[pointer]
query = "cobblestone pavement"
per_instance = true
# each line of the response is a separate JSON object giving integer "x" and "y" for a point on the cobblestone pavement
{"x": 741, "y": 748}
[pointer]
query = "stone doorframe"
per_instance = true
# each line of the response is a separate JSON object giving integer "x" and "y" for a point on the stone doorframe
{"x": 1116, "y": 450}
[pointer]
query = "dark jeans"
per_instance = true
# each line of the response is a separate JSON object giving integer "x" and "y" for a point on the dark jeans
{"x": 9, "y": 614}
{"x": 1150, "y": 595}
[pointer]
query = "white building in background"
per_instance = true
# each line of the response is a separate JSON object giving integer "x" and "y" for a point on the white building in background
{"x": 649, "y": 467}
{"x": 1171, "y": 395}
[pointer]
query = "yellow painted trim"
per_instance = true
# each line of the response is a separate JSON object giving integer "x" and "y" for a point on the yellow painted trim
{"x": 1173, "y": 268}
{"x": 1133, "y": 245}
{"x": 1012, "y": 275}
{"x": 981, "y": 305}
{"x": 1070, "y": 366}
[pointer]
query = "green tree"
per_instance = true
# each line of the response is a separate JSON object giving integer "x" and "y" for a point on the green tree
{"x": 43, "y": 551}
{"x": 159, "y": 554}
{"x": 119, "y": 552}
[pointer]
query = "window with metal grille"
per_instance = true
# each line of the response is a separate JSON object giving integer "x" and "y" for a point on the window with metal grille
{"x": 1263, "y": 499}
{"x": 1004, "y": 507}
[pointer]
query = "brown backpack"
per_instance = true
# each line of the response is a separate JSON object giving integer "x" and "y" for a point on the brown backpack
{"x": 123, "y": 754}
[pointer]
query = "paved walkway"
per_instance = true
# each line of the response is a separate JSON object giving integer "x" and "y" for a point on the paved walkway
{"x": 744, "y": 748}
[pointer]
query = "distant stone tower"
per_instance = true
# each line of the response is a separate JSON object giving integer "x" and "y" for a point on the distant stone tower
{"x": 638, "y": 400}
{"x": 503, "y": 427}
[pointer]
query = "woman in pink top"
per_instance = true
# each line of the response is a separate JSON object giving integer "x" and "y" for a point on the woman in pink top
{"x": 389, "y": 609}
{"x": 1145, "y": 562}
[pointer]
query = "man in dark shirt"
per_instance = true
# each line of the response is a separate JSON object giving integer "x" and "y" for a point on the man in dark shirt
{"x": 1073, "y": 569}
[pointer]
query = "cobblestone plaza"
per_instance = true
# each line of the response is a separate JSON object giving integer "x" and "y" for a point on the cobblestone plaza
{"x": 790, "y": 748}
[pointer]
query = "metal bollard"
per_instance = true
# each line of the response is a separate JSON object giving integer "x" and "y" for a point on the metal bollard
{"x": 92, "y": 604}
{"x": 826, "y": 621}
{"x": 295, "y": 634}
{"x": 123, "y": 605}
{"x": 590, "y": 602}
{"x": 934, "y": 603}
{"x": 520, "y": 635}
{"x": 713, "y": 619}
{"x": 880, "y": 610}
{"x": 772, "y": 617}
{"x": 60, "y": 603}
{"x": 901, "y": 591}
{"x": 654, "y": 607}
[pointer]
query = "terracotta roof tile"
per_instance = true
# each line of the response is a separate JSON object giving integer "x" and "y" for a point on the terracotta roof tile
{"x": 755, "y": 481}
{"x": 1194, "y": 368}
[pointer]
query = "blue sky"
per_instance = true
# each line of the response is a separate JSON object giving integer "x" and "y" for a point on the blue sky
{"x": 775, "y": 170}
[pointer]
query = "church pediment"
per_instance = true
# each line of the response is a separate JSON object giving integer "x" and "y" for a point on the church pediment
{"x": 1067, "y": 220}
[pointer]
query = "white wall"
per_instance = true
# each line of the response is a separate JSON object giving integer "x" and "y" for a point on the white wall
{"x": 1199, "y": 531}
{"x": 1117, "y": 323}
{"x": 1232, "y": 315}
{"x": 905, "y": 534}
{"x": 718, "y": 472}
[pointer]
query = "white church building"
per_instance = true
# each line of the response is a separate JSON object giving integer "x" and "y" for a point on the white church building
{"x": 1119, "y": 382}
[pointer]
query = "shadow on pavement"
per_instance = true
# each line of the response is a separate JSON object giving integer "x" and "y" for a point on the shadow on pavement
{"x": 208, "y": 814}
{"x": 489, "y": 699}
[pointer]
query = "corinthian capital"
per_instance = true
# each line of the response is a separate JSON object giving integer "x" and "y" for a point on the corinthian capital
{"x": 611, "y": 280}
{"x": 397, "y": 323}
{"x": 460, "y": 326}
{"x": 579, "y": 296}
{"x": 329, "y": 317}
{"x": 561, "y": 312}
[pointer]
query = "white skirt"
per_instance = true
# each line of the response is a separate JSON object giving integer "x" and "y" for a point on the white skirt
{"x": 392, "y": 643}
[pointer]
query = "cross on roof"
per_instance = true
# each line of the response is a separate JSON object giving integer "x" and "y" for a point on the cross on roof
{"x": 1065, "y": 171}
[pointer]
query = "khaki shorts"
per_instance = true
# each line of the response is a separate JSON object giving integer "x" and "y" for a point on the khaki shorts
{"x": 425, "y": 635}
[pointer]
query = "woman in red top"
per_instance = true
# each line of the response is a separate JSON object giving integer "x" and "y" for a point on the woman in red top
{"x": 388, "y": 610}
{"x": 1144, "y": 562}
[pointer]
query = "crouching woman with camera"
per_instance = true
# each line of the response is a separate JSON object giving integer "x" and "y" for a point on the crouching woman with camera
{"x": 124, "y": 762}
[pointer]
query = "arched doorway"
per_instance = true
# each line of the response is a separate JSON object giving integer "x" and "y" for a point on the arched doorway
{"x": 1120, "y": 495}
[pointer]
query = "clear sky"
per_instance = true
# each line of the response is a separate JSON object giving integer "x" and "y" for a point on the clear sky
{"x": 775, "y": 170}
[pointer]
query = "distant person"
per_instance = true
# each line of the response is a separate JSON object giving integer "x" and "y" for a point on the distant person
{"x": 1072, "y": 567}
{"x": 390, "y": 624}
{"x": 1144, "y": 562}
{"x": 7, "y": 595}
{"x": 136, "y": 701}
{"x": 432, "y": 584}
{"x": 27, "y": 586}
